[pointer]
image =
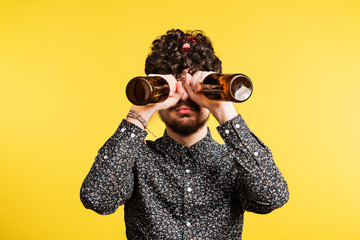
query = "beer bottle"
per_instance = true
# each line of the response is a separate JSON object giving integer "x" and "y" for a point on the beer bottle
{"x": 216, "y": 86}
{"x": 144, "y": 90}
{"x": 227, "y": 87}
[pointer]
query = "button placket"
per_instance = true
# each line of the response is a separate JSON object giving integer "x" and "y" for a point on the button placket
{"x": 188, "y": 192}
{"x": 188, "y": 183}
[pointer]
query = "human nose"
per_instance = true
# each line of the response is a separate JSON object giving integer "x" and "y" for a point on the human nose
{"x": 185, "y": 78}
{"x": 185, "y": 95}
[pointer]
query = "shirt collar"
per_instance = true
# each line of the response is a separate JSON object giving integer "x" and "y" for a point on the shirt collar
{"x": 174, "y": 150}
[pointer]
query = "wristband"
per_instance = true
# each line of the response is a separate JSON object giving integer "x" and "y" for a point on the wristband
{"x": 133, "y": 114}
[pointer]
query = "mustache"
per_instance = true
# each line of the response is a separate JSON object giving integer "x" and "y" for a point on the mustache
{"x": 188, "y": 103}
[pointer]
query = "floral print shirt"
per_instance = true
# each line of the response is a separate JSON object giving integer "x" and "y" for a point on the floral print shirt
{"x": 171, "y": 191}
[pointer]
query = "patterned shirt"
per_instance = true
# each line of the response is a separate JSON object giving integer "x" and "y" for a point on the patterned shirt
{"x": 171, "y": 191}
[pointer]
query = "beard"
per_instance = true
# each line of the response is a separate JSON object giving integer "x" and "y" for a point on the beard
{"x": 183, "y": 125}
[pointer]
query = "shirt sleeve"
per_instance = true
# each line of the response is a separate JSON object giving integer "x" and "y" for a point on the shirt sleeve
{"x": 261, "y": 186}
{"x": 110, "y": 181}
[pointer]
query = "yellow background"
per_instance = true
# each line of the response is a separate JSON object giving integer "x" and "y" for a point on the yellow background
{"x": 64, "y": 66}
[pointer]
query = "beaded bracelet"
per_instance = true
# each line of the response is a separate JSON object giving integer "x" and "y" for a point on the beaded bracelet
{"x": 133, "y": 114}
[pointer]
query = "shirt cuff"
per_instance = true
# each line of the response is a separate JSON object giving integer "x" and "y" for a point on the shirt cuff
{"x": 233, "y": 130}
{"x": 130, "y": 132}
{"x": 237, "y": 135}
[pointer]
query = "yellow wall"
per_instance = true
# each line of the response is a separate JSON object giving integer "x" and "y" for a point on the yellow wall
{"x": 64, "y": 66}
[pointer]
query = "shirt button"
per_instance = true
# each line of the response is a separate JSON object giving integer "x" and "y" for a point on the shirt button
{"x": 256, "y": 154}
{"x": 188, "y": 224}
{"x": 227, "y": 131}
{"x": 189, "y": 189}
{"x": 123, "y": 129}
{"x": 187, "y": 170}
{"x": 132, "y": 135}
{"x": 237, "y": 125}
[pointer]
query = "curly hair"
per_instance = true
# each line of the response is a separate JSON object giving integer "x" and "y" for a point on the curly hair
{"x": 168, "y": 57}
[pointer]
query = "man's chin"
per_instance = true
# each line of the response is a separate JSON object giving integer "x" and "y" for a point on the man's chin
{"x": 185, "y": 129}
{"x": 184, "y": 125}
{"x": 184, "y": 115}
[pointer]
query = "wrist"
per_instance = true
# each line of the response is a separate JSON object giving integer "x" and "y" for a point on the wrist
{"x": 137, "y": 119}
{"x": 145, "y": 111}
{"x": 224, "y": 112}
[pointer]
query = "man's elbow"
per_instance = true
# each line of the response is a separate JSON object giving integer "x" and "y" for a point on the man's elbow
{"x": 270, "y": 204}
{"x": 100, "y": 207}
{"x": 100, "y": 204}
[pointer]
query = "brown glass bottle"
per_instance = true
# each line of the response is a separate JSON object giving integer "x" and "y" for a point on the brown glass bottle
{"x": 144, "y": 90}
{"x": 216, "y": 86}
{"x": 228, "y": 87}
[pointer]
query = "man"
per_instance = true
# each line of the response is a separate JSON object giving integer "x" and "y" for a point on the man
{"x": 184, "y": 185}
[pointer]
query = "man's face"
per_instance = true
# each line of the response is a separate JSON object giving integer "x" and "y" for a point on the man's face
{"x": 186, "y": 117}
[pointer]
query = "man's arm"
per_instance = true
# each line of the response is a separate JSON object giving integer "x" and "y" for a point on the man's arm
{"x": 261, "y": 186}
{"x": 110, "y": 181}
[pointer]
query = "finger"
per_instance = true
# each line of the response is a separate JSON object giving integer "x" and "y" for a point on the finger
{"x": 172, "y": 84}
{"x": 170, "y": 79}
{"x": 201, "y": 79}
{"x": 171, "y": 100}
{"x": 194, "y": 81}
{"x": 197, "y": 97}
{"x": 184, "y": 93}
{"x": 198, "y": 81}
{"x": 188, "y": 87}
{"x": 179, "y": 88}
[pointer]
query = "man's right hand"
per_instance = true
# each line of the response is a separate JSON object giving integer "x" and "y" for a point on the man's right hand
{"x": 177, "y": 90}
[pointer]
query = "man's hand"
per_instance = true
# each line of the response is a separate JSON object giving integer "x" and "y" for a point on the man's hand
{"x": 176, "y": 92}
{"x": 221, "y": 110}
